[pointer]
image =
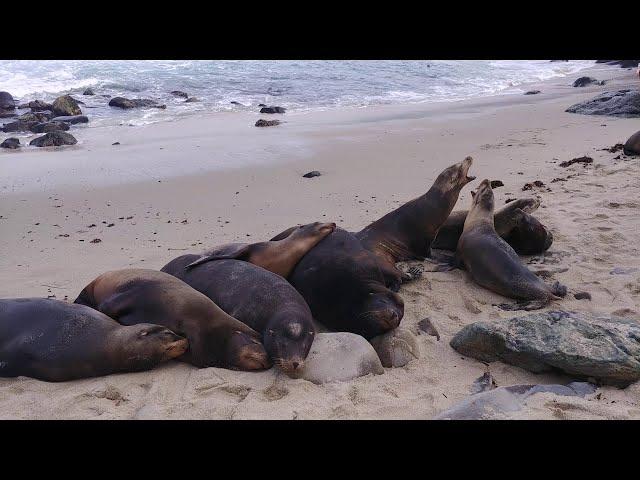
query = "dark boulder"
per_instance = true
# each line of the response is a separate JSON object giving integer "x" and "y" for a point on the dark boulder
{"x": 6, "y": 101}
{"x": 623, "y": 103}
{"x": 312, "y": 174}
{"x": 267, "y": 123}
{"x": 126, "y": 103}
{"x": 586, "y": 81}
{"x": 621, "y": 63}
{"x": 37, "y": 106}
{"x": 19, "y": 126}
{"x": 178, "y": 93}
{"x": 272, "y": 110}
{"x": 261, "y": 105}
{"x": 50, "y": 127}
{"x": 191, "y": 100}
{"x": 632, "y": 146}
{"x": 71, "y": 119}
{"x": 54, "y": 139}
{"x": 88, "y": 91}
{"x": 65, "y": 105}
{"x": 11, "y": 143}
{"x": 34, "y": 117}
{"x": 585, "y": 345}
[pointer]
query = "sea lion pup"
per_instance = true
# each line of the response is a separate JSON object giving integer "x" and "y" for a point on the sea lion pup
{"x": 216, "y": 339}
{"x": 58, "y": 341}
{"x": 261, "y": 299}
{"x": 276, "y": 256}
{"x": 407, "y": 232}
{"x": 492, "y": 262}
{"x": 513, "y": 223}
{"x": 345, "y": 288}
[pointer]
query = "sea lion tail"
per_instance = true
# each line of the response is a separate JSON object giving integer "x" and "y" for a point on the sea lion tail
{"x": 559, "y": 290}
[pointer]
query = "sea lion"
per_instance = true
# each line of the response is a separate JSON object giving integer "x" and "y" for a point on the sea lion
{"x": 492, "y": 262}
{"x": 216, "y": 339}
{"x": 632, "y": 145}
{"x": 514, "y": 223}
{"x": 261, "y": 299}
{"x": 407, "y": 232}
{"x": 276, "y": 256}
{"x": 58, "y": 341}
{"x": 345, "y": 288}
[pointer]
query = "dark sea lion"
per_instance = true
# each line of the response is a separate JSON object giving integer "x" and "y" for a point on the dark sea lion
{"x": 407, "y": 232}
{"x": 276, "y": 256}
{"x": 57, "y": 341}
{"x": 632, "y": 145}
{"x": 216, "y": 339}
{"x": 492, "y": 262}
{"x": 345, "y": 288}
{"x": 263, "y": 300}
{"x": 514, "y": 223}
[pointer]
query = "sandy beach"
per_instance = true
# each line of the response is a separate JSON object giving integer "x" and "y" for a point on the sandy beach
{"x": 185, "y": 185}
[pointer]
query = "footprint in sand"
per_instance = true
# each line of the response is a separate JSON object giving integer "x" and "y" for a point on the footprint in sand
{"x": 275, "y": 392}
{"x": 240, "y": 391}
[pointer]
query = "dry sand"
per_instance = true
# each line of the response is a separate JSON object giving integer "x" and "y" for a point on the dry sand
{"x": 195, "y": 183}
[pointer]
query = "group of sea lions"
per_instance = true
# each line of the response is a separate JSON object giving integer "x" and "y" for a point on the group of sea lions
{"x": 249, "y": 306}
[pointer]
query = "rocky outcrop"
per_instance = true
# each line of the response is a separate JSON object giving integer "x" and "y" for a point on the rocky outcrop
{"x": 623, "y": 103}
{"x": 52, "y": 126}
{"x": 396, "y": 348}
{"x": 26, "y": 121}
{"x": 267, "y": 123}
{"x": 273, "y": 110}
{"x": 10, "y": 143}
{"x": 339, "y": 357}
{"x": 54, "y": 139}
{"x": 503, "y": 401}
{"x": 6, "y": 101}
{"x": 600, "y": 347}
{"x": 65, "y": 105}
{"x": 586, "y": 81}
{"x": 37, "y": 106}
{"x": 126, "y": 103}
{"x": 632, "y": 145}
{"x": 71, "y": 119}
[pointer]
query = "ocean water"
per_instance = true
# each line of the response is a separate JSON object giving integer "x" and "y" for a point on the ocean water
{"x": 297, "y": 85}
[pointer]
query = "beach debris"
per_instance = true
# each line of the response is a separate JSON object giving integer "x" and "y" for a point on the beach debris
{"x": 312, "y": 174}
{"x": 616, "y": 148}
{"x": 267, "y": 123}
{"x": 65, "y": 106}
{"x": 558, "y": 179}
{"x": 11, "y": 143}
{"x": 178, "y": 93}
{"x": 532, "y": 92}
{"x": 273, "y": 110}
{"x": 427, "y": 327}
{"x": 339, "y": 357}
{"x": 632, "y": 146}
{"x": 529, "y": 186}
{"x": 95, "y": 240}
{"x": 585, "y": 160}
{"x": 622, "y": 103}
{"x": 585, "y": 81}
{"x": 115, "y": 143}
{"x": 54, "y": 139}
{"x": 396, "y": 348}
{"x": 509, "y": 200}
{"x": 126, "y": 103}
{"x": 582, "y": 296}
{"x": 261, "y": 105}
{"x": 585, "y": 345}
{"x": 88, "y": 92}
{"x": 484, "y": 383}
{"x": 496, "y": 183}
{"x": 52, "y": 126}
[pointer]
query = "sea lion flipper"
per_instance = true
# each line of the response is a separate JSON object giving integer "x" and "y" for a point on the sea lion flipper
{"x": 116, "y": 305}
{"x": 227, "y": 252}
{"x": 283, "y": 235}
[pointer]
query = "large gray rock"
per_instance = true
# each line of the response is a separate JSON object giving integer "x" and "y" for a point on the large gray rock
{"x": 126, "y": 103}
{"x": 338, "y": 357}
{"x": 71, "y": 119}
{"x": 396, "y": 348}
{"x": 37, "y": 106}
{"x": 10, "y": 143}
{"x": 6, "y": 101}
{"x": 502, "y": 401}
{"x": 603, "y": 347}
{"x": 65, "y": 105}
{"x": 623, "y": 103}
{"x": 54, "y": 139}
{"x": 52, "y": 126}
{"x": 632, "y": 146}
{"x": 586, "y": 81}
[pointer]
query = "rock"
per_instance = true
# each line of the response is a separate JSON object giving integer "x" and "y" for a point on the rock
{"x": 623, "y": 103}
{"x": 585, "y": 81}
{"x": 532, "y": 92}
{"x": 582, "y": 296}
{"x": 272, "y": 110}
{"x": 52, "y": 126}
{"x": 7, "y": 114}
{"x": 261, "y": 105}
{"x": 500, "y": 402}
{"x": 6, "y": 101}
{"x": 11, "y": 143}
{"x": 496, "y": 183}
{"x": 602, "y": 347}
{"x": 115, "y": 143}
{"x": 65, "y": 106}
{"x": 621, "y": 63}
{"x": 529, "y": 186}
{"x": 484, "y": 383}
{"x": 73, "y": 119}
{"x": 88, "y": 91}
{"x": 54, "y": 139}
{"x": 396, "y": 348}
{"x": 427, "y": 327}
{"x": 191, "y": 100}
{"x": 127, "y": 103}
{"x": 312, "y": 174}
{"x": 37, "y": 106}
{"x": 584, "y": 160}
{"x": 20, "y": 126}
{"x": 267, "y": 123}
{"x": 233, "y": 102}
{"x": 632, "y": 146}
{"x": 339, "y": 357}
{"x": 178, "y": 93}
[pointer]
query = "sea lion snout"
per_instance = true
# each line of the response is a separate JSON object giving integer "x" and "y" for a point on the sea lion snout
{"x": 453, "y": 178}
{"x": 292, "y": 367}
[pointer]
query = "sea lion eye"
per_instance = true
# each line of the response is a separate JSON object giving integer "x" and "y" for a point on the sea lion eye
{"x": 271, "y": 332}
{"x": 144, "y": 333}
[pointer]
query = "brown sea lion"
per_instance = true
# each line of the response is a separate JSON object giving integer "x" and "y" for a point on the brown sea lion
{"x": 276, "y": 256}
{"x": 632, "y": 145}
{"x": 57, "y": 341}
{"x": 407, "y": 232}
{"x": 216, "y": 339}
{"x": 513, "y": 223}
{"x": 259, "y": 298}
{"x": 492, "y": 262}
{"x": 345, "y": 288}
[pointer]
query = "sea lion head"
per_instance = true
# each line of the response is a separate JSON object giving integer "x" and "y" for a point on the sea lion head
{"x": 288, "y": 341}
{"x": 381, "y": 311}
{"x": 530, "y": 236}
{"x": 453, "y": 178}
{"x": 147, "y": 345}
{"x": 483, "y": 196}
{"x": 246, "y": 352}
